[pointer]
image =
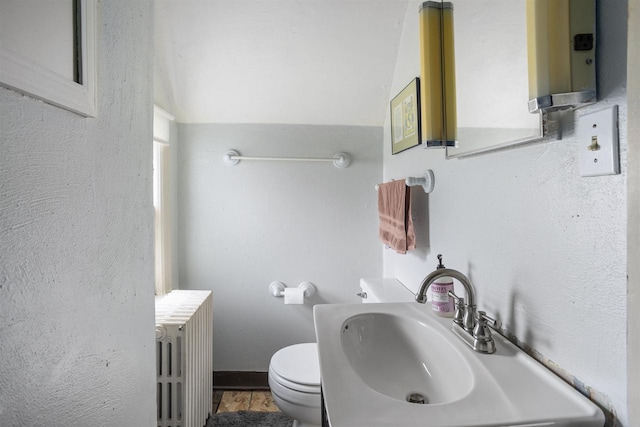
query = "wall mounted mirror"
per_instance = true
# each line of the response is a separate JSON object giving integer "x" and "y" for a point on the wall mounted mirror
{"x": 492, "y": 89}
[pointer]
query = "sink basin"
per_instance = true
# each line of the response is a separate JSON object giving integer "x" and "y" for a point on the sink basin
{"x": 401, "y": 357}
{"x": 398, "y": 364}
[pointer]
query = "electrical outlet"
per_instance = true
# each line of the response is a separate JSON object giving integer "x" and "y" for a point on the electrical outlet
{"x": 598, "y": 143}
{"x": 583, "y": 42}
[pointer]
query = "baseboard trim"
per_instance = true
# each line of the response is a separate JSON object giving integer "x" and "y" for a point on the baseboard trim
{"x": 240, "y": 380}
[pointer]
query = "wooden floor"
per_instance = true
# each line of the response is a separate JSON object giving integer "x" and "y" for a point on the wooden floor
{"x": 245, "y": 400}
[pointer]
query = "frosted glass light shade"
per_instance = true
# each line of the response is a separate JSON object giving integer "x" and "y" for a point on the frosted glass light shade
{"x": 561, "y": 53}
{"x": 449, "y": 75}
{"x": 549, "y": 59}
{"x": 437, "y": 74}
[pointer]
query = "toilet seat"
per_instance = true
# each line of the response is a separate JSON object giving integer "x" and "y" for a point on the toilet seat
{"x": 302, "y": 388}
{"x": 297, "y": 367}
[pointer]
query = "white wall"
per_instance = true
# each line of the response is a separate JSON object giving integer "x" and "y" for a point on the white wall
{"x": 545, "y": 248}
{"x": 244, "y": 226}
{"x": 76, "y": 265}
{"x": 297, "y": 62}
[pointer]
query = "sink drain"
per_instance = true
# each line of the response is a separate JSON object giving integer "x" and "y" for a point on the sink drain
{"x": 416, "y": 398}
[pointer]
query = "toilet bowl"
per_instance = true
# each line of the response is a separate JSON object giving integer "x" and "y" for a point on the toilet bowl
{"x": 294, "y": 371}
{"x": 294, "y": 379}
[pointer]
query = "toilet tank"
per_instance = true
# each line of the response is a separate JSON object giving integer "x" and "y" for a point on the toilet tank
{"x": 384, "y": 290}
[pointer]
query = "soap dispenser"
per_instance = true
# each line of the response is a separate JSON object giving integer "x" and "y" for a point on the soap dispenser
{"x": 441, "y": 302}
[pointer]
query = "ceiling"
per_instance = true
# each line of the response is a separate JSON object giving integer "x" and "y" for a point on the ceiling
{"x": 328, "y": 62}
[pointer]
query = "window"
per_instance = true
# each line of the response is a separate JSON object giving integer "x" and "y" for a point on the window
{"x": 162, "y": 213}
{"x": 162, "y": 201}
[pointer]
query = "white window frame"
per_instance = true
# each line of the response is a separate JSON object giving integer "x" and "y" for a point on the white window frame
{"x": 162, "y": 202}
{"x": 161, "y": 218}
{"x": 27, "y": 76}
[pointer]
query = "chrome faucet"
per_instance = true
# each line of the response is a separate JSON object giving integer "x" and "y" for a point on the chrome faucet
{"x": 472, "y": 327}
{"x": 467, "y": 311}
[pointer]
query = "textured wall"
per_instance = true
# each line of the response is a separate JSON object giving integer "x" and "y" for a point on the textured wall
{"x": 545, "y": 248}
{"x": 244, "y": 226}
{"x": 76, "y": 259}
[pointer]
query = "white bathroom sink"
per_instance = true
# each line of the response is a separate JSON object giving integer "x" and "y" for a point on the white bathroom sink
{"x": 373, "y": 356}
{"x": 415, "y": 358}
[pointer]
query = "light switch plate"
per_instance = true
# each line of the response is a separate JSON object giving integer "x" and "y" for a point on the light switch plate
{"x": 598, "y": 143}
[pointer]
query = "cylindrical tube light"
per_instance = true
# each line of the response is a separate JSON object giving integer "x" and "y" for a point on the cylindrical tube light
{"x": 561, "y": 53}
{"x": 549, "y": 59}
{"x": 437, "y": 74}
{"x": 449, "y": 75}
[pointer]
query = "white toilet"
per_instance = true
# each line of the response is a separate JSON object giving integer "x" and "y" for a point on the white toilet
{"x": 294, "y": 379}
{"x": 294, "y": 371}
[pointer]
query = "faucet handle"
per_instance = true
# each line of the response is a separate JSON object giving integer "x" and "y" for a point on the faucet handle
{"x": 465, "y": 314}
{"x": 459, "y": 303}
{"x": 481, "y": 330}
{"x": 456, "y": 298}
{"x": 493, "y": 323}
{"x": 482, "y": 339}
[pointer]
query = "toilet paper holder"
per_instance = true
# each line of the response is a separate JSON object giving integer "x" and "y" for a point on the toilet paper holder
{"x": 276, "y": 289}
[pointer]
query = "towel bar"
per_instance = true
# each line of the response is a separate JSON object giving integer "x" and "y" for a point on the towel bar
{"x": 340, "y": 160}
{"x": 426, "y": 181}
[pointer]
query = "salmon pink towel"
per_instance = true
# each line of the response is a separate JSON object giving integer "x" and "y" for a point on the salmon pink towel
{"x": 394, "y": 210}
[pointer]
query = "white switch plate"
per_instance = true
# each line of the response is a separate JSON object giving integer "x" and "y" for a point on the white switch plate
{"x": 600, "y": 127}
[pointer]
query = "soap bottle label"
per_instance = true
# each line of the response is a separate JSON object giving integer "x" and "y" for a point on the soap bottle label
{"x": 441, "y": 302}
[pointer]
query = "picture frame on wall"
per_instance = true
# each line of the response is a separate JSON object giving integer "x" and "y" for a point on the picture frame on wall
{"x": 405, "y": 118}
